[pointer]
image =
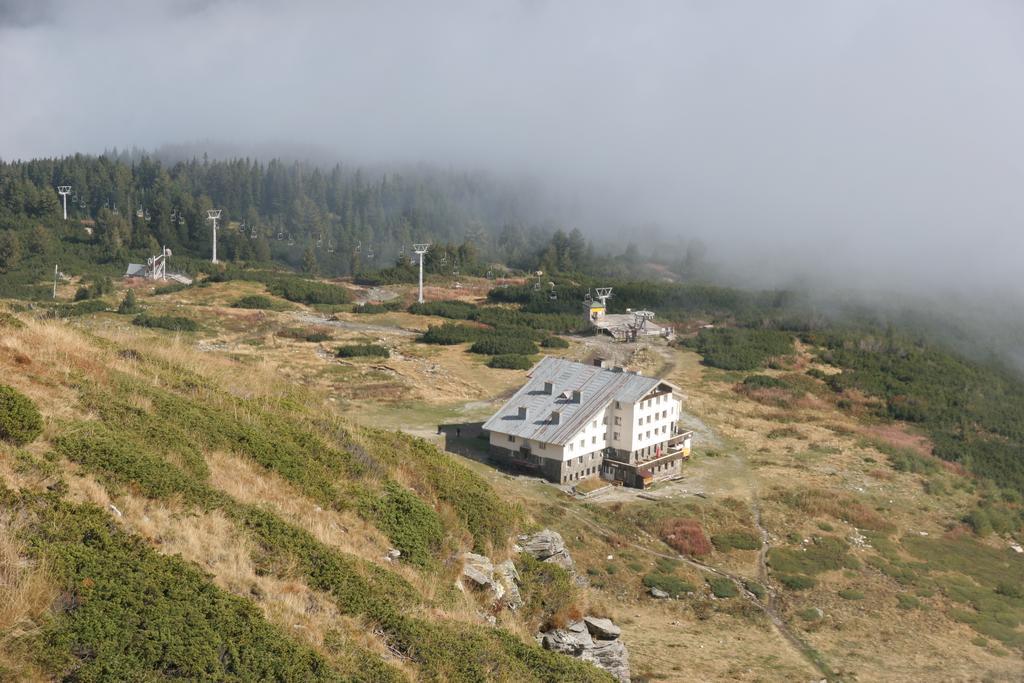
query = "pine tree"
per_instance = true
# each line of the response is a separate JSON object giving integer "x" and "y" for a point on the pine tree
{"x": 128, "y": 303}
{"x": 309, "y": 264}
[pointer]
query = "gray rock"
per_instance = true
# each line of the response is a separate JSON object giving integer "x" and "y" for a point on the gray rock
{"x": 575, "y": 640}
{"x": 602, "y": 629}
{"x": 658, "y": 593}
{"x": 507, "y": 575}
{"x": 478, "y": 569}
{"x": 572, "y": 640}
{"x": 394, "y": 553}
{"x": 547, "y": 546}
{"x": 610, "y": 655}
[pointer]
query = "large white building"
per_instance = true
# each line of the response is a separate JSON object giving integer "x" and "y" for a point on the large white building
{"x": 571, "y": 421}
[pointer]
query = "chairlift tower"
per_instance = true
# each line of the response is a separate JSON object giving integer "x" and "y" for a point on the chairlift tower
{"x": 420, "y": 250}
{"x": 214, "y": 215}
{"x": 64, "y": 191}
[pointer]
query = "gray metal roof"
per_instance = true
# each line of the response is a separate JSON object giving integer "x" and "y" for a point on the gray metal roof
{"x": 597, "y": 387}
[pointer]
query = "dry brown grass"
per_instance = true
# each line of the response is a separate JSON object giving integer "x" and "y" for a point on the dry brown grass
{"x": 212, "y": 541}
{"x": 249, "y": 483}
{"x": 26, "y": 592}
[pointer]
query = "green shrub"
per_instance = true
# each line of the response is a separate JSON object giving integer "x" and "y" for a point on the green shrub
{"x": 763, "y": 382}
{"x": 741, "y": 349}
{"x": 736, "y": 540}
{"x": 546, "y": 588}
{"x": 360, "y": 350}
{"x": 128, "y": 303}
{"x": 826, "y": 553}
{"x": 904, "y": 601}
{"x": 170, "y": 289}
{"x": 81, "y": 308}
{"x": 851, "y": 594}
{"x": 796, "y": 582}
{"x": 387, "y": 307}
{"x": 412, "y": 525}
{"x": 449, "y": 334}
{"x": 301, "y": 334}
{"x": 133, "y": 614}
{"x": 308, "y": 291}
{"x": 256, "y": 301}
{"x": 457, "y": 310}
{"x": 504, "y": 343}
{"x": 722, "y": 587}
{"x": 755, "y": 588}
{"x": 510, "y": 361}
{"x": 809, "y": 614}
{"x": 175, "y": 323}
{"x": 20, "y": 421}
{"x": 554, "y": 343}
{"x": 673, "y": 585}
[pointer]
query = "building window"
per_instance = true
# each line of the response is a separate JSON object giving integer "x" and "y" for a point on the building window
{"x": 640, "y": 422}
{"x": 593, "y": 439}
{"x": 511, "y": 438}
{"x": 648, "y": 433}
{"x": 595, "y": 424}
{"x": 570, "y": 445}
{"x": 541, "y": 445}
{"x": 583, "y": 443}
{"x": 615, "y": 436}
{"x": 648, "y": 419}
{"x": 618, "y": 421}
{"x": 617, "y": 406}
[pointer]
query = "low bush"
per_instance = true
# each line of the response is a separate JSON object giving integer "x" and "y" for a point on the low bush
{"x": 796, "y": 582}
{"x": 369, "y": 308}
{"x": 308, "y": 291}
{"x": 755, "y": 588}
{"x": 255, "y": 301}
{"x": 826, "y": 553}
{"x": 411, "y": 525}
{"x": 128, "y": 303}
{"x": 510, "y": 361}
{"x": 736, "y": 540}
{"x": 741, "y": 349}
{"x": 554, "y": 343}
{"x": 360, "y": 350}
{"x": 170, "y": 289}
{"x": 450, "y": 333}
{"x": 20, "y": 421}
{"x": 851, "y": 594}
{"x": 722, "y": 587}
{"x": 671, "y": 584}
{"x": 130, "y": 613}
{"x": 457, "y": 310}
{"x": 305, "y": 334}
{"x": 175, "y": 323}
{"x": 504, "y": 343}
{"x": 685, "y": 536}
{"x": 548, "y": 591}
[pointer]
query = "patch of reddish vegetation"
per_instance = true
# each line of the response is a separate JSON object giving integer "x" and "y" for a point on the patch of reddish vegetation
{"x": 896, "y": 434}
{"x": 685, "y": 536}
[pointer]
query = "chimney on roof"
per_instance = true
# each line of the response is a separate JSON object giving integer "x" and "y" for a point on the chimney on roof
{"x": 576, "y": 395}
{"x": 549, "y": 388}
{"x": 599, "y": 362}
{"x": 555, "y": 416}
{"x": 522, "y": 412}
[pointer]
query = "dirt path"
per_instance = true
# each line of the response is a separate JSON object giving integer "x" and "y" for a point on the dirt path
{"x": 768, "y": 607}
{"x": 310, "y": 319}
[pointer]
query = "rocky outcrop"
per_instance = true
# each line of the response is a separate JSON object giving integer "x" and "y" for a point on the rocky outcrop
{"x": 547, "y": 546}
{"x": 594, "y": 644}
{"x": 501, "y": 581}
{"x": 602, "y": 628}
{"x": 592, "y": 639}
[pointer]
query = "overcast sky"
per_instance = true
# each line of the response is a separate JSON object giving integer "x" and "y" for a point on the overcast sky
{"x": 866, "y": 141}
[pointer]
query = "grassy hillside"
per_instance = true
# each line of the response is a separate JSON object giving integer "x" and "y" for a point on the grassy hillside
{"x": 142, "y": 446}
